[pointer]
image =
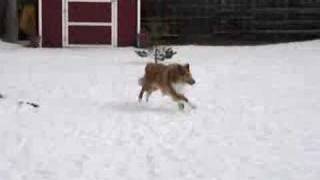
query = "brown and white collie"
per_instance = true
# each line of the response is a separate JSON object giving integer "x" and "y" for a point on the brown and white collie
{"x": 169, "y": 79}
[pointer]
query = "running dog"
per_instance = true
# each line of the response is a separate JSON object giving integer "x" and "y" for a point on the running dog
{"x": 169, "y": 79}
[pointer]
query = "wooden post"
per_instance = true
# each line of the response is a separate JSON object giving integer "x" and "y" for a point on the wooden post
{"x": 2, "y": 15}
{"x": 11, "y": 21}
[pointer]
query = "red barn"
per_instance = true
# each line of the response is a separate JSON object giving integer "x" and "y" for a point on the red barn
{"x": 68, "y": 23}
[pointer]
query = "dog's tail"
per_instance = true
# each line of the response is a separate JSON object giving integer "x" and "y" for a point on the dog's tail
{"x": 141, "y": 81}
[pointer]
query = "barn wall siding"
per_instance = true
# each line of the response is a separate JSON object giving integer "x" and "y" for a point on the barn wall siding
{"x": 52, "y": 23}
{"x": 127, "y": 22}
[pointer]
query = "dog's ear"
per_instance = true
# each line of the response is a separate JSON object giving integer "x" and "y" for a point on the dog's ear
{"x": 181, "y": 69}
{"x": 187, "y": 66}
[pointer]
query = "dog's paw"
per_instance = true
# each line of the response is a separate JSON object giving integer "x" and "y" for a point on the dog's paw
{"x": 181, "y": 106}
{"x": 192, "y": 106}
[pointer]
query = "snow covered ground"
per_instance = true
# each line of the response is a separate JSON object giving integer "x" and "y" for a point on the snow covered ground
{"x": 258, "y": 115}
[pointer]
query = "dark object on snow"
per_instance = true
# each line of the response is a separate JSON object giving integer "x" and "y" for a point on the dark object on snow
{"x": 142, "y": 53}
{"x": 158, "y": 53}
{"x": 161, "y": 54}
{"x": 34, "y": 105}
{"x": 169, "y": 53}
{"x": 165, "y": 53}
{"x": 1, "y": 96}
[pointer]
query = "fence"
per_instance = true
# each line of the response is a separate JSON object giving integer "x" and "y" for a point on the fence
{"x": 207, "y": 21}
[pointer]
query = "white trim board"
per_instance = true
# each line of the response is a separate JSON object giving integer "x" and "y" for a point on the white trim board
{"x": 138, "y": 16}
{"x": 89, "y": 45}
{"x": 40, "y": 33}
{"x": 88, "y": 24}
{"x": 64, "y": 14}
{"x": 114, "y": 21}
{"x": 96, "y": 1}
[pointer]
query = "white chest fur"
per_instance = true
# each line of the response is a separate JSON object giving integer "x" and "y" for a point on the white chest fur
{"x": 179, "y": 87}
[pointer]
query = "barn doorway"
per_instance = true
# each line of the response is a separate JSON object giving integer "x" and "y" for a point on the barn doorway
{"x": 18, "y": 20}
{"x": 90, "y": 23}
{"x": 27, "y": 11}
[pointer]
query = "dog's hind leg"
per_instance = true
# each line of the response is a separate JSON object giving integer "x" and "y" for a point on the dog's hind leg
{"x": 144, "y": 88}
{"x": 141, "y": 94}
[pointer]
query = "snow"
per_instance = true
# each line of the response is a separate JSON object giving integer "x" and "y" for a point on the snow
{"x": 257, "y": 116}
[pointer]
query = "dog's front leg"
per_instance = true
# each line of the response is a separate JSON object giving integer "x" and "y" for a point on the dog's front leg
{"x": 180, "y": 99}
{"x": 181, "y": 105}
{"x": 148, "y": 96}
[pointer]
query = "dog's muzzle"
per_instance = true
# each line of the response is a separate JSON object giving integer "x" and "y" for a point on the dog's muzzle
{"x": 191, "y": 81}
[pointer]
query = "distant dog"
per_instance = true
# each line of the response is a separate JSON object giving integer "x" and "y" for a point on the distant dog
{"x": 169, "y": 79}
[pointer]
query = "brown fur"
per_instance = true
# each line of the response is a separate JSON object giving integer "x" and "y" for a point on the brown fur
{"x": 163, "y": 77}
